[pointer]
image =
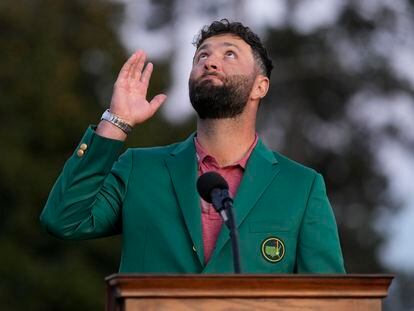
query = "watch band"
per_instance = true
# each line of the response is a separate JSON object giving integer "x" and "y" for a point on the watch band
{"x": 117, "y": 121}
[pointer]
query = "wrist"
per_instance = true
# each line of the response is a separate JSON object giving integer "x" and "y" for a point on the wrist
{"x": 117, "y": 121}
{"x": 108, "y": 130}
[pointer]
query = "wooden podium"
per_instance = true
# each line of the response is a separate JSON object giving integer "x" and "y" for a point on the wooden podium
{"x": 246, "y": 292}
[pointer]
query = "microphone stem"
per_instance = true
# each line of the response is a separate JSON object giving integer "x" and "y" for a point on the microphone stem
{"x": 234, "y": 236}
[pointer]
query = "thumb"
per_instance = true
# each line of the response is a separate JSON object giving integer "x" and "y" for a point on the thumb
{"x": 156, "y": 102}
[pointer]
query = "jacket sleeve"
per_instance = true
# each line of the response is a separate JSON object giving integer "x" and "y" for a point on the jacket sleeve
{"x": 319, "y": 249}
{"x": 86, "y": 200}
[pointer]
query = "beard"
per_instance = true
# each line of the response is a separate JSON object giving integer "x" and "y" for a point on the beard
{"x": 220, "y": 101}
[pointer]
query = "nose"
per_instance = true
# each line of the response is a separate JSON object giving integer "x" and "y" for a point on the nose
{"x": 211, "y": 64}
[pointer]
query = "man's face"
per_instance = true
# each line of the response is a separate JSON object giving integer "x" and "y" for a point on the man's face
{"x": 222, "y": 77}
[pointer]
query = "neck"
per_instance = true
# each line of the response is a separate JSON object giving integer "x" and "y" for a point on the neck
{"x": 227, "y": 140}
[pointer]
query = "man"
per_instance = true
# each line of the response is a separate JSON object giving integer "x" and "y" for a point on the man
{"x": 284, "y": 219}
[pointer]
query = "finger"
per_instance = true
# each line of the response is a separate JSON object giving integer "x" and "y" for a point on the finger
{"x": 137, "y": 67}
{"x": 146, "y": 74}
{"x": 156, "y": 102}
{"x": 127, "y": 67}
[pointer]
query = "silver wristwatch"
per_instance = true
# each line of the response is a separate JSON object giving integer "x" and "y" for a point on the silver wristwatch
{"x": 117, "y": 121}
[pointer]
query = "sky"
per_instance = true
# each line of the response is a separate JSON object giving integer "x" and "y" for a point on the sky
{"x": 396, "y": 45}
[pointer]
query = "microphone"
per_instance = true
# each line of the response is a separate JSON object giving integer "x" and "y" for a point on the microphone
{"x": 208, "y": 182}
{"x": 213, "y": 188}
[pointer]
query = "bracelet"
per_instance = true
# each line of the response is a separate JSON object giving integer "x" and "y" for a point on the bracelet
{"x": 117, "y": 121}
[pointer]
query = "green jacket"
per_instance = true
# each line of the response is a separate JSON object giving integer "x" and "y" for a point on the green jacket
{"x": 284, "y": 218}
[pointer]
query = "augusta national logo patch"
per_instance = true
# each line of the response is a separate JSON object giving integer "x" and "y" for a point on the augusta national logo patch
{"x": 273, "y": 249}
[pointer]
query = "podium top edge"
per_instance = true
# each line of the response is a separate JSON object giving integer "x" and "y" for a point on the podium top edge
{"x": 248, "y": 276}
{"x": 249, "y": 285}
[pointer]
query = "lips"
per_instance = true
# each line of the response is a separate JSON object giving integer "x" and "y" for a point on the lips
{"x": 211, "y": 76}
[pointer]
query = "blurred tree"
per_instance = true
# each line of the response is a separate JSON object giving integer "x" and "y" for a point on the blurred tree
{"x": 59, "y": 60}
{"x": 308, "y": 117}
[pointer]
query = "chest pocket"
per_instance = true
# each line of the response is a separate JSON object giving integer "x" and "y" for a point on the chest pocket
{"x": 270, "y": 246}
{"x": 270, "y": 226}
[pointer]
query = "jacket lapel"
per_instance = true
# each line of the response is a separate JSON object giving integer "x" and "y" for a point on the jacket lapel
{"x": 260, "y": 171}
{"x": 182, "y": 165}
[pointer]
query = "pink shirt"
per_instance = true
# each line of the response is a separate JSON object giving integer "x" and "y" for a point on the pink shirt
{"x": 210, "y": 219}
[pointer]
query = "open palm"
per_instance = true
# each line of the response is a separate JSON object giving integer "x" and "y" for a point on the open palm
{"x": 129, "y": 99}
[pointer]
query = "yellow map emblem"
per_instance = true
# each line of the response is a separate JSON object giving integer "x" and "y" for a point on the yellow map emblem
{"x": 273, "y": 249}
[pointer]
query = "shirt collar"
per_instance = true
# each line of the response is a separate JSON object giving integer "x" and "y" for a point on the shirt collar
{"x": 203, "y": 155}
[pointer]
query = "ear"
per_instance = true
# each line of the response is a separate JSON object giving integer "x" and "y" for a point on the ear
{"x": 260, "y": 87}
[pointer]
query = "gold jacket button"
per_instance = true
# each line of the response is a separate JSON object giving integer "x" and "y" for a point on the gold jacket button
{"x": 194, "y": 249}
{"x": 80, "y": 153}
{"x": 83, "y": 147}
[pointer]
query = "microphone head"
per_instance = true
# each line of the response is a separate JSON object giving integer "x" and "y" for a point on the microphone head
{"x": 209, "y": 181}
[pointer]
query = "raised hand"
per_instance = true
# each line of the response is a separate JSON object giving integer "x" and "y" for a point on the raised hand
{"x": 129, "y": 99}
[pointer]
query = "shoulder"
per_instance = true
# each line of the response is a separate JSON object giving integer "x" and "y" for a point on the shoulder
{"x": 160, "y": 152}
{"x": 153, "y": 151}
{"x": 293, "y": 172}
{"x": 293, "y": 165}
{"x": 285, "y": 163}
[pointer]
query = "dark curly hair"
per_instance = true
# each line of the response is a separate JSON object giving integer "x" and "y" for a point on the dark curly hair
{"x": 224, "y": 26}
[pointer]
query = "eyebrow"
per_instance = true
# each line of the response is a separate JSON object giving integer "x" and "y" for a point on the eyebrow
{"x": 226, "y": 44}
